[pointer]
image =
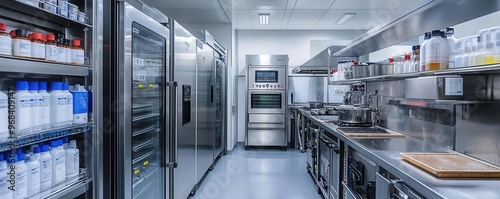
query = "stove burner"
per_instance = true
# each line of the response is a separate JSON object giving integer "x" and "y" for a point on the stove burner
{"x": 363, "y": 130}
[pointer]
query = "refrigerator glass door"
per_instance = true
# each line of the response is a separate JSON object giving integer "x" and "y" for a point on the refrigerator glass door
{"x": 148, "y": 126}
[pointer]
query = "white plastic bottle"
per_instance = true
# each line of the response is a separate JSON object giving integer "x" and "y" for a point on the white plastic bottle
{"x": 69, "y": 104}
{"x": 423, "y": 47}
{"x": 459, "y": 49}
{"x": 80, "y": 104}
{"x": 474, "y": 50}
{"x": 467, "y": 51}
{"x": 45, "y": 105}
{"x": 21, "y": 177}
{"x": 408, "y": 68}
{"x": 481, "y": 47}
{"x": 489, "y": 44}
{"x": 72, "y": 162}
{"x": 33, "y": 176}
{"x": 23, "y": 107}
{"x": 45, "y": 171}
{"x": 496, "y": 39}
{"x": 58, "y": 165}
{"x": 452, "y": 47}
{"x": 58, "y": 114}
{"x": 4, "y": 116}
{"x": 36, "y": 105}
{"x": 436, "y": 52}
{"x": 5, "y": 192}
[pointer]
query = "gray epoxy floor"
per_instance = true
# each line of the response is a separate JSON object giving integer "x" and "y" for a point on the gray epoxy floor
{"x": 259, "y": 174}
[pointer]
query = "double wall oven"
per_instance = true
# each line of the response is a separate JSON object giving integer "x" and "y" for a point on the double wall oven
{"x": 266, "y": 100}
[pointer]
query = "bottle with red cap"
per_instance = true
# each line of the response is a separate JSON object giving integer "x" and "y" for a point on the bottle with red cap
{"x": 51, "y": 51}
{"x": 77, "y": 53}
{"x": 5, "y": 41}
{"x": 41, "y": 47}
{"x": 36, "y": 46}
{"x": 408, "y": 68}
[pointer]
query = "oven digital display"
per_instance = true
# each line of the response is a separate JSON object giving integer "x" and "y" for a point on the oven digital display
{"x": 266, "y": 76}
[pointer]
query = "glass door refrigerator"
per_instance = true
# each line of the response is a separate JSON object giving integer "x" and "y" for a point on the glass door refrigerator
{"x": 138, "y": 103}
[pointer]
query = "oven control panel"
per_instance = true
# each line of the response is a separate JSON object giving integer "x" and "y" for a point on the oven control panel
{"x": 266, "y": 86}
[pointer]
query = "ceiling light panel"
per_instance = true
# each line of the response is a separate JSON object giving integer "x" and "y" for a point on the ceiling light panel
{"x": 264, "y": 18}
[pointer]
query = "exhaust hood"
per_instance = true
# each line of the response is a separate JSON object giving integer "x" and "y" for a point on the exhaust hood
{"x": 322, "y": 62}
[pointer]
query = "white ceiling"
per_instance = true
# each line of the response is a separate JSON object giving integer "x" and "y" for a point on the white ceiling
{"x": 285, "y": 14}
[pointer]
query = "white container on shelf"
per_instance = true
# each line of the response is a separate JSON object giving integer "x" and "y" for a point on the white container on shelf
{"x": 58, "y": 113}
{"x": 4, "y": 116}
{"x": 480, "y": 53}
{"x": 5, "y": 192}
{"x": 62, "y": 7}
{"x": 423, "y": 47}
{"x": 58, "y": 165}
{"x": 458, "y": 58}
{"x": 80, "y": 104}
{"x": 408, "y": 67}
{"x": 496, "y": 39}
{"x": 23, "y": 106}
{"x": 72, "y": 162}
{"x": 474, "y": 49}
{"x": 36, "y": 106}
{"x": 452, "y": 47}
{"x": 33, "y": 166}
{"x": 5, "y": 41}
{"x": 467, "y": 51}
{"x": 50, "y": 6}
{"x": 21, "y": 190}
{"x": 489, "y": 44}
{"x": 69, "y": 104}
{"x": 45, "y": 105}
{"x": 45, "y": 171}
{"x": 72, "y": 11}
{"x": 436, "y": 52}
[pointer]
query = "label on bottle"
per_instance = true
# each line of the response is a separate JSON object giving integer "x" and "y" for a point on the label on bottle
{"x": 35, "y": 50}
{"x": 21, "y": 183}
{"x": 34, "y": 184}
{"x": 46, "y": 173}
{"x": 5, "y": 45}
{"x": 45, "y": 109}
{"x": 61, "y": 109}
{"x": 35, "y": 113}
{"x": 63, "y": 8}
{"x": 76, "y": 163}
{"x": 23, "y": 113}
{"x": 68, "y": 55}
{"x": 454, "y": 86}
{"x": 60, "y": 169}
{"x": 51, "y": 52}
{"x": 61, "y": 54}
{"x": 80, "y": 57}
{"x": 4, "y": 184}
{"x": 41, "y": 51}
{"x": 22, "y": 48}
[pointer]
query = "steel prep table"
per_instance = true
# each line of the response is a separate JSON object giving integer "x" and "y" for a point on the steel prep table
{"x": 385, "y": 152}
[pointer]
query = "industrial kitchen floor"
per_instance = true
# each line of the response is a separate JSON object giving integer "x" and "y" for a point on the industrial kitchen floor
{"x": 259, "y": 174}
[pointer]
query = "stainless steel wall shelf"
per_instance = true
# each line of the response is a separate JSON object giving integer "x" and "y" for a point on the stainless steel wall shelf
{"x": 486, "y": 69}
{"x": 71, "y": 191}
{"x": 31, "y": 66}
{"x": 39, "y": 15}
{"x": 25, "y": 140}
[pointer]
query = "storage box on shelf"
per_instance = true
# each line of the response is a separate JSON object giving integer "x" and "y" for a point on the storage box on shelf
{"x": 66, "y": 13}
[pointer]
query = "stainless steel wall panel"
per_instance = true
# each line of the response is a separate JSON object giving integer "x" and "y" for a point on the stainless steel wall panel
{"x": 496, "y": 87}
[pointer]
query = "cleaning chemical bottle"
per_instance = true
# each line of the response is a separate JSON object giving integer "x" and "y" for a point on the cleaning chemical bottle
{"x": 33, "y": 166}
{"x": 423, "y": 47}
{"x": 452, "y": 46}
{"x": 69, "y": 104}
{"x": 489, "y": 43}
{"x": 36, "y": 105}
{"x": 72, "y": 162}
{"x": 23, "y": 107}
{"x": 21, "y": 190}
{"x": 58, "y": 113}
{"x": 45, "y": 171}
{"x": 4, "y": 116}
{"x": 80, "y": 104}
{"x": 480, "y": 53}
{"x": 459, "y": 49}
{"x": 45, "y": 105}
{"x": 436, "y": 52}
{"x": 5, "y": 192}
{"x": 58, "y": 165}
{"x": 474, "y": 50}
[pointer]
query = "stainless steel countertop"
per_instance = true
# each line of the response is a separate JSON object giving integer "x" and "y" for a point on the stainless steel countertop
{"x": 385, "y": 152}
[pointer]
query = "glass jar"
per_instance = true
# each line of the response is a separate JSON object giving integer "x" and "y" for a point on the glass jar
{"x": 22, "y": 44}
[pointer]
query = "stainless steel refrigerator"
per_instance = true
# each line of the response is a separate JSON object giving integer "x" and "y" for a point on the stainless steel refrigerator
{"x": 137, "y": 95}
{"x": 184, "y": 148}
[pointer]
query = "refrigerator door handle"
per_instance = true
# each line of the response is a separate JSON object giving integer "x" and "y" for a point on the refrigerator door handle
{"x": 174, "y": 126}
{"x": 212, "y": 93}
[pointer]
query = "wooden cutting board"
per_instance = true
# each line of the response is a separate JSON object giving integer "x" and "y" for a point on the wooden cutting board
{"x": 389, "y": 134}
{"x": 448, "y": 165}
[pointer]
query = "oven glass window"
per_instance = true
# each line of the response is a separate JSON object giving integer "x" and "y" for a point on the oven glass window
{"x": 266, "y": 76}
{"x": 266, "y": 101}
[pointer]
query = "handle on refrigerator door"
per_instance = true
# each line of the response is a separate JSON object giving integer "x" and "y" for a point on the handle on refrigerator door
{"x": 211, "y": 93}
{"x": 173, "y": 128}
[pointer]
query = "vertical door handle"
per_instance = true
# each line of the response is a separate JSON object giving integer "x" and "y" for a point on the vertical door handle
{"x": 212, "y": 93}
{"x": 173, "y": 127}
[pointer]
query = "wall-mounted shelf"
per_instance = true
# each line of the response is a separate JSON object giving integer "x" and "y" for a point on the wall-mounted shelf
{"x": 38, "y": 15}
{"x": 428, "y": 15}
{"x": 33, "y": 138}
{"x": 486, "y": 69}
{"x": 31, "y": 66}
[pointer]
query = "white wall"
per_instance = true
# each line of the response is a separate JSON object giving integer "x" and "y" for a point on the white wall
{"x": 472, "y": 27}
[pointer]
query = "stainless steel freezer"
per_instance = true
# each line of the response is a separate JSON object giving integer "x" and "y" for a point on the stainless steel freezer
{"x": 184, "y": 73}
{"x": 205, "y": 110}
{"x": 137, "y": 92}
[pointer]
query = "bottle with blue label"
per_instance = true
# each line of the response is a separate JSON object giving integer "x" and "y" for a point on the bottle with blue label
{"x": 80, "y": 104}
{"x": 45, "y": 105}
{"x": 23, "y": 105}
{"x": 36, "y": 117}
{"x": 5, "y": 192}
